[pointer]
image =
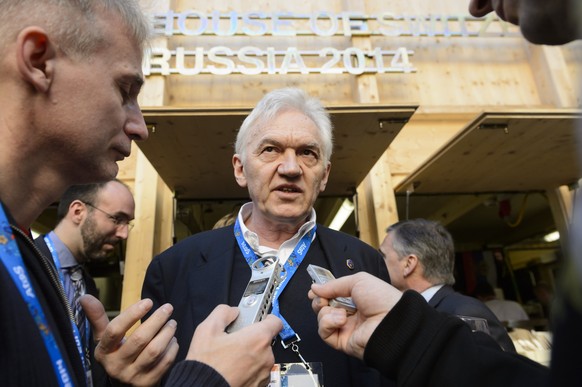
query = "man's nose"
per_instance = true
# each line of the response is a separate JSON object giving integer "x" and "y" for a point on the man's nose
{"x": 289, "y": 164}
{"x": 122, "y": 231}
{"x": 135, "y": 126}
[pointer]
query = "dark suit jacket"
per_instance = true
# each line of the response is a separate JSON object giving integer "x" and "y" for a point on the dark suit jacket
{"x": 208, "y": 269}
{"x": 448, "y": 301}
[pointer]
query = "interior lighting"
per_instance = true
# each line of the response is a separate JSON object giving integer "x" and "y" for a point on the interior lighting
{"x": 342, "y": 215}
{"x": 552, "y": 237}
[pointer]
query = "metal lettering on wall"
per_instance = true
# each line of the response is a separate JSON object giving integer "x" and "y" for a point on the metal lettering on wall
{"x": 216, "y": 59}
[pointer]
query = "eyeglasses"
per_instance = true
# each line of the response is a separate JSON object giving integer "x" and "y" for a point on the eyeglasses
{"x": 117, "y": 220}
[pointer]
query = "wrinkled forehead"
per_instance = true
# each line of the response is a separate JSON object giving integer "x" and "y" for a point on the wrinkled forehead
{"x": 288, "y": 124}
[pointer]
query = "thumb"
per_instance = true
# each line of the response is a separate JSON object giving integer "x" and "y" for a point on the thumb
{"x": 96, "y": 315}
{"x": 221, "y": 317}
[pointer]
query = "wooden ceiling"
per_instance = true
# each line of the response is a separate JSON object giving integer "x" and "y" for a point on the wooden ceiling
{"x": 498, "y": 159}
{"x": 192, "y": 149}
{"x": 504, "y": 152}
{"x": 498, "y": 156}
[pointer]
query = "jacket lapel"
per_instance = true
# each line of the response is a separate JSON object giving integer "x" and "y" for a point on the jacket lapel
{"x": 213, "y": 269}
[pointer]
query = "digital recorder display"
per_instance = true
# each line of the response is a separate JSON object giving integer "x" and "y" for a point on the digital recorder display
{"x": 256, "y": 287}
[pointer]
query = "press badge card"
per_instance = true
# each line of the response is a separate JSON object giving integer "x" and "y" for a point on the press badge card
{"x": 297, "y": 375}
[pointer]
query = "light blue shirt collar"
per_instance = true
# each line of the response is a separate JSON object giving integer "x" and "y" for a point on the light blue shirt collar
{"x": 66, "y": 258}
{"x": 430, "y": 292}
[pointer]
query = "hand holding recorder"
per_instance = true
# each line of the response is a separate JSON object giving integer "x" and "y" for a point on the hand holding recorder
{"x": 236, "y": 342}
{"x": 350, "y": 333}
{"x": 243, "y": 358}
{"x": 319, "y": 275}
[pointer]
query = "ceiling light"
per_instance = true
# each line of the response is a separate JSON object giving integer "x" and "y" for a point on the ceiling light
{"x": 342, "y": 215}
{"x": 552, "y": 237}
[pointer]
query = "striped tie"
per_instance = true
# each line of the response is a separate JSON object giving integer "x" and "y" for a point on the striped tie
{"x": 74, "y": 285}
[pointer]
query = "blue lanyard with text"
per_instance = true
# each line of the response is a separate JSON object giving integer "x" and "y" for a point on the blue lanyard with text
{"x": 82, "y": 353}
{"x": 12, "y": 260}
{"x": 288, "y": 335}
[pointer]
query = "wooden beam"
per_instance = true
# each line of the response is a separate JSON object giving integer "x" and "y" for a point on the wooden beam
{"x": 384, "y": 199}
{"x": 376, "y": 201}
{"x": 164, "y": 225}
{"x": 365, "y": 215}
{"x": 553, "y": 80}
{"x": 141, "y": 239}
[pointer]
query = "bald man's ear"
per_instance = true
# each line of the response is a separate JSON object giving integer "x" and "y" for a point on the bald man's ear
{"x": 77, "y": 211}
{"x": 35, "y": 58}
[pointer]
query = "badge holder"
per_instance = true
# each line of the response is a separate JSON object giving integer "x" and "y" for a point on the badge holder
{"x": 304, "y": 374}
{"x": 297, "y": 375}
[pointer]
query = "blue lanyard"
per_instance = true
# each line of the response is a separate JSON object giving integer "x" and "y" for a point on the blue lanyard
{"x": 12, "y": 260}
{"x": 288, "y": 335}
{"x": 83, "y": 353}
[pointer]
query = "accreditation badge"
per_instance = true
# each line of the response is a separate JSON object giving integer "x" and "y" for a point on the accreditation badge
{"x": 297, "y": 375}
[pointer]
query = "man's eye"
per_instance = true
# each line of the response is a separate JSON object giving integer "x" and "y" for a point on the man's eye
{"x": 309, "y": 152}
{"x": 269, "y": 149}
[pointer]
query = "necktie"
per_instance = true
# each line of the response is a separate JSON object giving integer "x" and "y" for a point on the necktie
{"x": 74, "y": 285}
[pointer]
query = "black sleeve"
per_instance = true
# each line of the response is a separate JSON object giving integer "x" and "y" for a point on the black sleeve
{"x": 417, "y": 345}
{"x": 194, "y": 374}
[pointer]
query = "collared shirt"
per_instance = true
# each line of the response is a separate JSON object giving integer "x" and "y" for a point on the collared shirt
{"x": 286, "y": 247}
{"x": 430, "y": 292}
{"x": 66, "y": 258}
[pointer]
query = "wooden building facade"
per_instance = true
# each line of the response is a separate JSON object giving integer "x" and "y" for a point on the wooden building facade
{"x": 436, "y": 114}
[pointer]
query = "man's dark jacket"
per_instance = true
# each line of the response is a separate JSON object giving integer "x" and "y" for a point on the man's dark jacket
{"x": 448, "y": 301}
{"x": 24, "y": 360}
{"x": 208, "y": 269}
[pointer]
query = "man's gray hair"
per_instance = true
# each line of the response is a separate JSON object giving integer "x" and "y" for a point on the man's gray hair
{"x": 282, "y": 100}
{"x": 72, "y": 24}
{"x": 431, "y": 243}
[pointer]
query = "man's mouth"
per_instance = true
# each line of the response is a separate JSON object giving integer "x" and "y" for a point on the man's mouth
{"x": 122, "y": 152}
{"x": 110, "y": 245}
{"x": 288, "y": 190}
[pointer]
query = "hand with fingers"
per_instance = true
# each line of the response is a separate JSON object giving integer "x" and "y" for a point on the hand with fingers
{"x": 374, "y": 298}
{"x": 244, "y": 357}
{"x": 141, "y": 358}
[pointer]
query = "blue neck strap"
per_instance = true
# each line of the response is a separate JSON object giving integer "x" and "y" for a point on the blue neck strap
{"x": 12, "y": 260}
{"x": 288, "y": 335}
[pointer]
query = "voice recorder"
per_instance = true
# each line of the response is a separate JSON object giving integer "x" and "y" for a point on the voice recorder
{"x": 319, "y": 275}
{"x": 258, "y": 295}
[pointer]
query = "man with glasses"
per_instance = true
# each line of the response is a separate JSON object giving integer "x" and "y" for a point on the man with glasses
{"x": 92, "y": 220}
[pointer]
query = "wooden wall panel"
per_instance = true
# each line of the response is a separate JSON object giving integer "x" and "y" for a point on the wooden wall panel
{"x": 457, "y": 71}
{"x": 455, "y": 79}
